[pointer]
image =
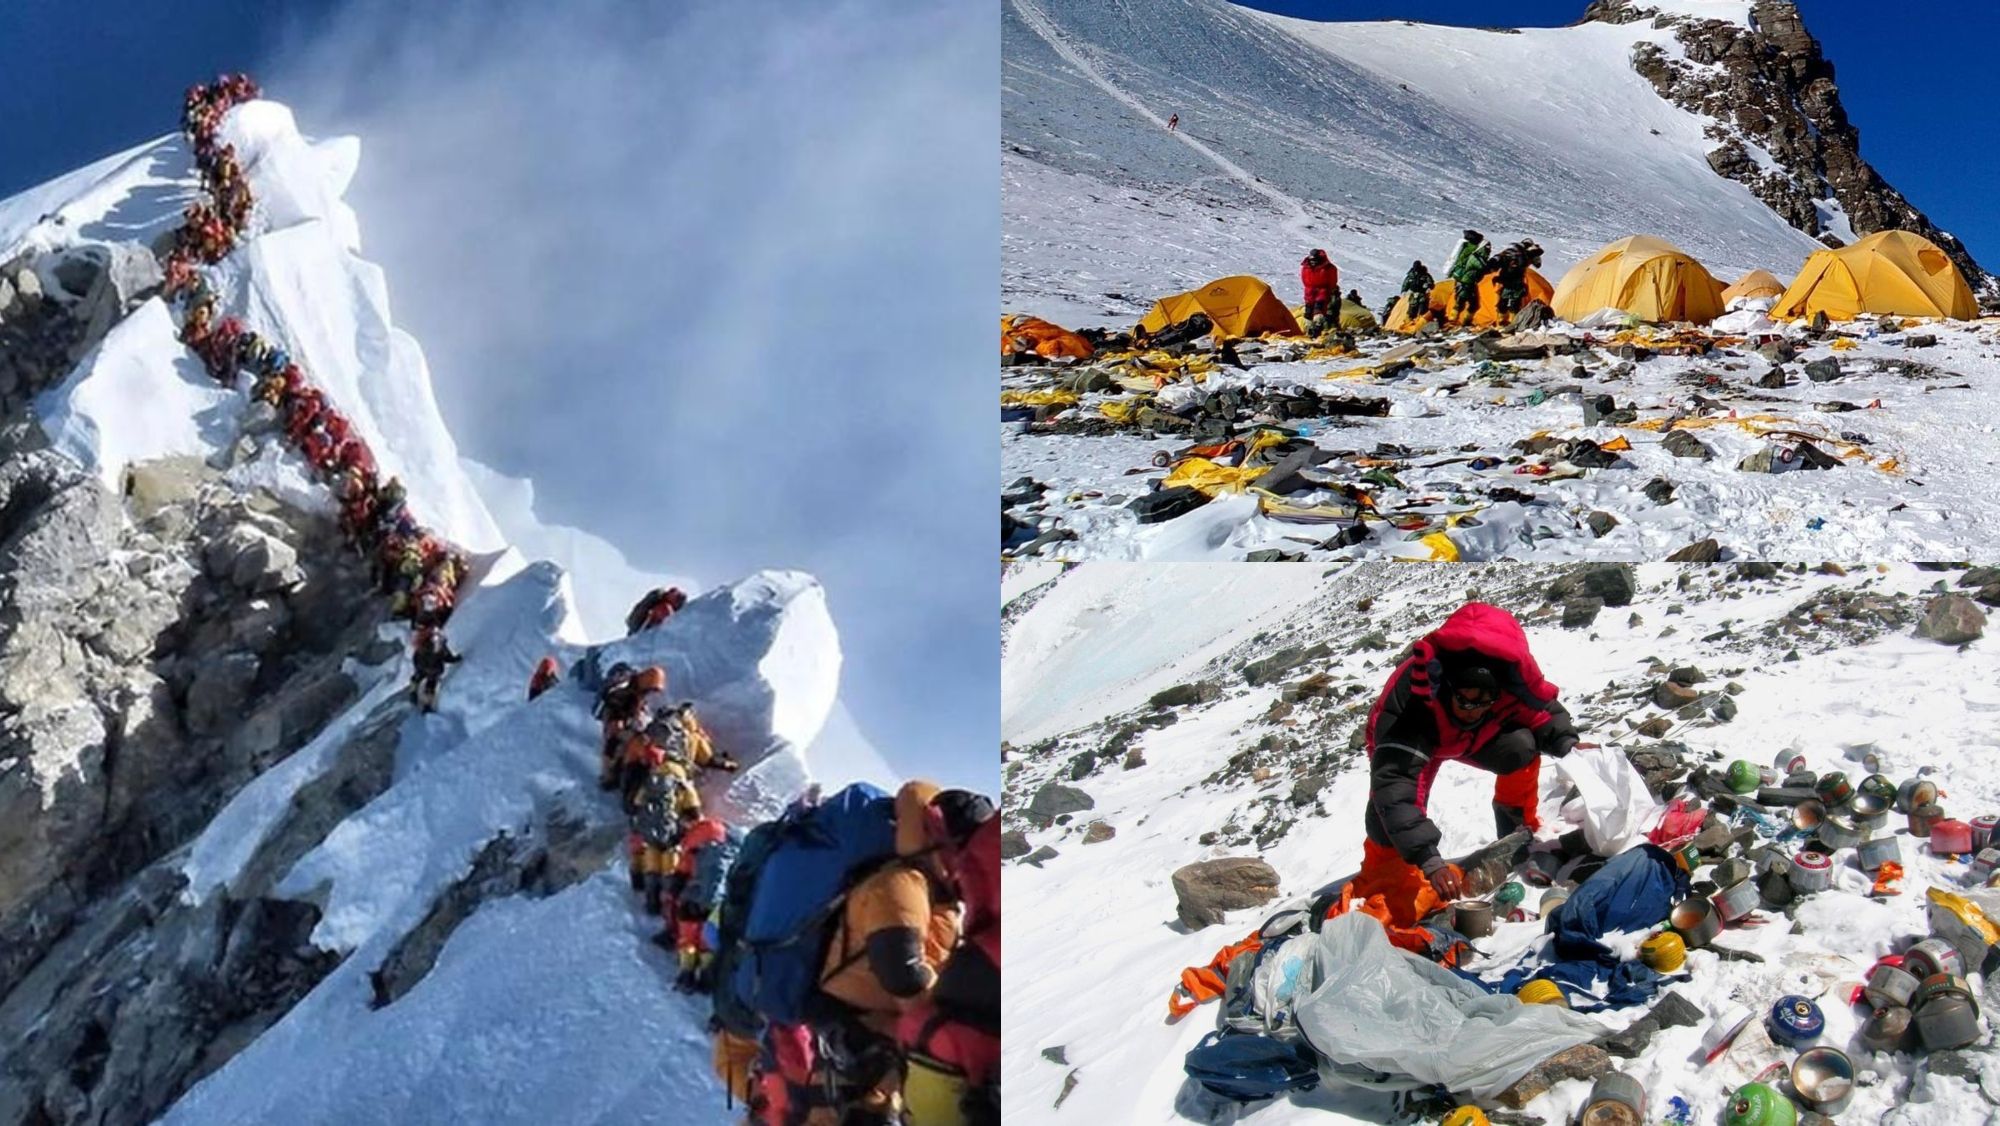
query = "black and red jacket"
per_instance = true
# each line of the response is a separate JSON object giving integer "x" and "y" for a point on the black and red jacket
{"x": 1411, "y": 731}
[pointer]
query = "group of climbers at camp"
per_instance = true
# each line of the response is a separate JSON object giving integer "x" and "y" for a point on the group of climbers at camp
{"x": 420, "y": 571}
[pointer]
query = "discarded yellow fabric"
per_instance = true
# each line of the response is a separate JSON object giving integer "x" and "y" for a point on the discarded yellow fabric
{"x": 1032, "y": 334}
{"x": 1968, "y": 913}
{"x": 1119, "y": 410}
{"x": 1845, "y": 344}
{"x": 1442, "y": 549}
{"x": 1054, "y": 397}
{"x": 1211, "y": 479}
{"x": 1616, "y": 445}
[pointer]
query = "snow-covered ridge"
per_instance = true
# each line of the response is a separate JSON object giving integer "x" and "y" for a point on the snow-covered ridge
{"x": 556, "y": 1007}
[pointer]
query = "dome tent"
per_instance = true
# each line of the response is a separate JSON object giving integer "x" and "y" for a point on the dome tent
{"x": 1239, "y": 306}
{"x": 1756, "y": 283}
{"x": 1649, "y": 278}
{"x": 1889, "y": 272}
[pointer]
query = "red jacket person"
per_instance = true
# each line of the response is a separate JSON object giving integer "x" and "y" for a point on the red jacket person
{"x": 1471, "y": 691}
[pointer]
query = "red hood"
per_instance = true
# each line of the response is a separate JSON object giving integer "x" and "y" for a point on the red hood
{"x": 1488, "y": 630}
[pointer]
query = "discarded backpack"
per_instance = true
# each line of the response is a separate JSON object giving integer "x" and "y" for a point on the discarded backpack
{"x": 818, "y": 855}
{"x": 1247, "y": 1067}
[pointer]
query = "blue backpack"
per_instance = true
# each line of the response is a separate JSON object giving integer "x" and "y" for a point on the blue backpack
{"x": 817, "y": 855}
{"x": 1246, "y": 1067}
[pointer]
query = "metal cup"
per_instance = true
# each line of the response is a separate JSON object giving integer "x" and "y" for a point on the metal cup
{"x": 1473, "y": 918}
{"x": 1914, "y": 793}
{"x": 1824, "y": 1079}
{"x": 1696, "y": 920}
{"x": 1736, "y": 900}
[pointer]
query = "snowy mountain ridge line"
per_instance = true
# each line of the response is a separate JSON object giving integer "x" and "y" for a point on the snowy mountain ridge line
{"x": 362, "y": 894}
{"x": 1389, "y": 134}
{"x": 1272, "y": 771}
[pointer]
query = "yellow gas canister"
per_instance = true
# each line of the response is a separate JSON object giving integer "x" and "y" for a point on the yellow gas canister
{"x": 1542, "y": 991}
{"x": 1664, "y": 952}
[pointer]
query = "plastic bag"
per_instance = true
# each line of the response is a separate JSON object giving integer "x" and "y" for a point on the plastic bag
{"x": 1388, "y": 1020}
{"x": 1614, "y": 804}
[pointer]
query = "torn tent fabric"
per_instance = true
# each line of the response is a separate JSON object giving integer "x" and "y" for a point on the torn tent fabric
{"x": 1632, "y": 892}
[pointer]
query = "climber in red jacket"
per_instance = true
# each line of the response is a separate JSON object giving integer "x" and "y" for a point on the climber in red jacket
{"x": 1321, "y": 279}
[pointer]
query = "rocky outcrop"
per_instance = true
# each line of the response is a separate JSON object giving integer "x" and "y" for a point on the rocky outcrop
{"x": 1768, "y": 87}
{"x": 149, "y": 668}
{"x": 46, "y": 326}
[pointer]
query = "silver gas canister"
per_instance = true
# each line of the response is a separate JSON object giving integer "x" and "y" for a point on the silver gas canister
{"x": 1876, "y": 851}
{"x": 1889, "y": 986}
{"x": 1736, "y": 900}
{"x": 1811, "y": 871}
{"x": 1914, "y": 793}
{"x": 1931, "y": 957}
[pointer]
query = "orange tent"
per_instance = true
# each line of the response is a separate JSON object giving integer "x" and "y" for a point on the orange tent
{"x": 1240, "y": 306}
{"x": 1033, "y": 334}
{"x": 1646, "y": 277}
{"x": 1444, "y": 293}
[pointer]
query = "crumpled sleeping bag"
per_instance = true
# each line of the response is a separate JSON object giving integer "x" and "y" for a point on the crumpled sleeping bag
{"x": 1388, "y": 1020}
{"x": 1633, "y": 891}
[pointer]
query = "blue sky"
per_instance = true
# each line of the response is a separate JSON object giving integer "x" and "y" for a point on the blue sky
{"x": 1912, "y": 78}
{"x": 718, "y": 276}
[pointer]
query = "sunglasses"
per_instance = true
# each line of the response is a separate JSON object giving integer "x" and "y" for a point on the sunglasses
{"x": 1470, "y": 698}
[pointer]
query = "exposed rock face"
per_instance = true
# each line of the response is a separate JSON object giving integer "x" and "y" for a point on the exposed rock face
{"x": 1769, "y": 86}
{"x": 1207, "y": 889}
{"x": 155, "y": 656}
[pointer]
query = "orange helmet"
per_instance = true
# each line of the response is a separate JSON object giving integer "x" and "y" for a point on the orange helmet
{"x": 652, "y": 679}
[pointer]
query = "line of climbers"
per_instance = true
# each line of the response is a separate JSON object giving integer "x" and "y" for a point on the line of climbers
{"x": 851, "y": 947}
{"x": 420, "y": 571}
{"x": 1473, "y": 260}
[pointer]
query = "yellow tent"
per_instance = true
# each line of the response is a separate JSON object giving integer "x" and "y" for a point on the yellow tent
{"x": 1756, "y": 283}
{"x": 1887, "y": 272}
{"x": 1644, "y": 276}
{"x": 1239, "y": 306}
{"x": 1444, "y": 293}
{"x": 1032, "y": 334}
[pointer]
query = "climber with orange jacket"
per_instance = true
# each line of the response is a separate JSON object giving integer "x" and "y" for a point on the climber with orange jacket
{"x": 621, "y": 704}
{"x": 691, "y": 891}
{"x": 657, "y": 606}
{"x": 951, "y": 1043}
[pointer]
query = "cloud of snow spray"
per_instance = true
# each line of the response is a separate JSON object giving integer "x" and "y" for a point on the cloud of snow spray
{"x": 712, "y": 275}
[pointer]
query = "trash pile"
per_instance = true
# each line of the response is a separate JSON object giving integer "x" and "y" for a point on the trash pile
{"x": 1734, "y": 851}
{"x": 1556, "y": 432}
{"x": 417, "y": 568}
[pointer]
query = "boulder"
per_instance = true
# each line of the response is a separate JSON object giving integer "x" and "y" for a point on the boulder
{"x": 1208, "y": 888}
{"x": 1772, "y": 380}
{"x": 153, "y": 485}
{"x": 1601, "y": 523}
{"x": 1134, "y": 759}
{"x": 1659, "y": 490}
{"x": 1700, "y": 551}
{"x": 1667, "y": 694}
{"x": 253, "y": 560}
{"x": 1282, "y": 662}
{"x": 1014, "y": 844}
{"x": 1580, "y": 612}
{"x": 1055, "y": 799}
{"x": 1680, "y": 443}
{"x": 1824, "y": 370}
{"x": 1952, "y": 619}
{"x": 1655, "y": 727}
{"x": 1098, "y": 832}
{"x": 1181, "y": 695}
{"x": 1611, "y": 582}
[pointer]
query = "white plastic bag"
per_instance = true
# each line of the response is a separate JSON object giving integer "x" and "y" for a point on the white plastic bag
{"x": 1385, "y": 1019}
{"x": 1617, "y": 809}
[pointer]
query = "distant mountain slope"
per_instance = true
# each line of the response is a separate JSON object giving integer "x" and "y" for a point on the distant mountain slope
{"x": 1379, "y": 141}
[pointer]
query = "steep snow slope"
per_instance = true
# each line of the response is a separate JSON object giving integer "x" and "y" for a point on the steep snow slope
{"x": 1826, "y": 664}
{"x": 537, "y": 1009}
{"x": 1390, "y": 137}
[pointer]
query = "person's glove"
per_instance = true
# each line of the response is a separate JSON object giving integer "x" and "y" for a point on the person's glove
{"x": 1445, "y": 877}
